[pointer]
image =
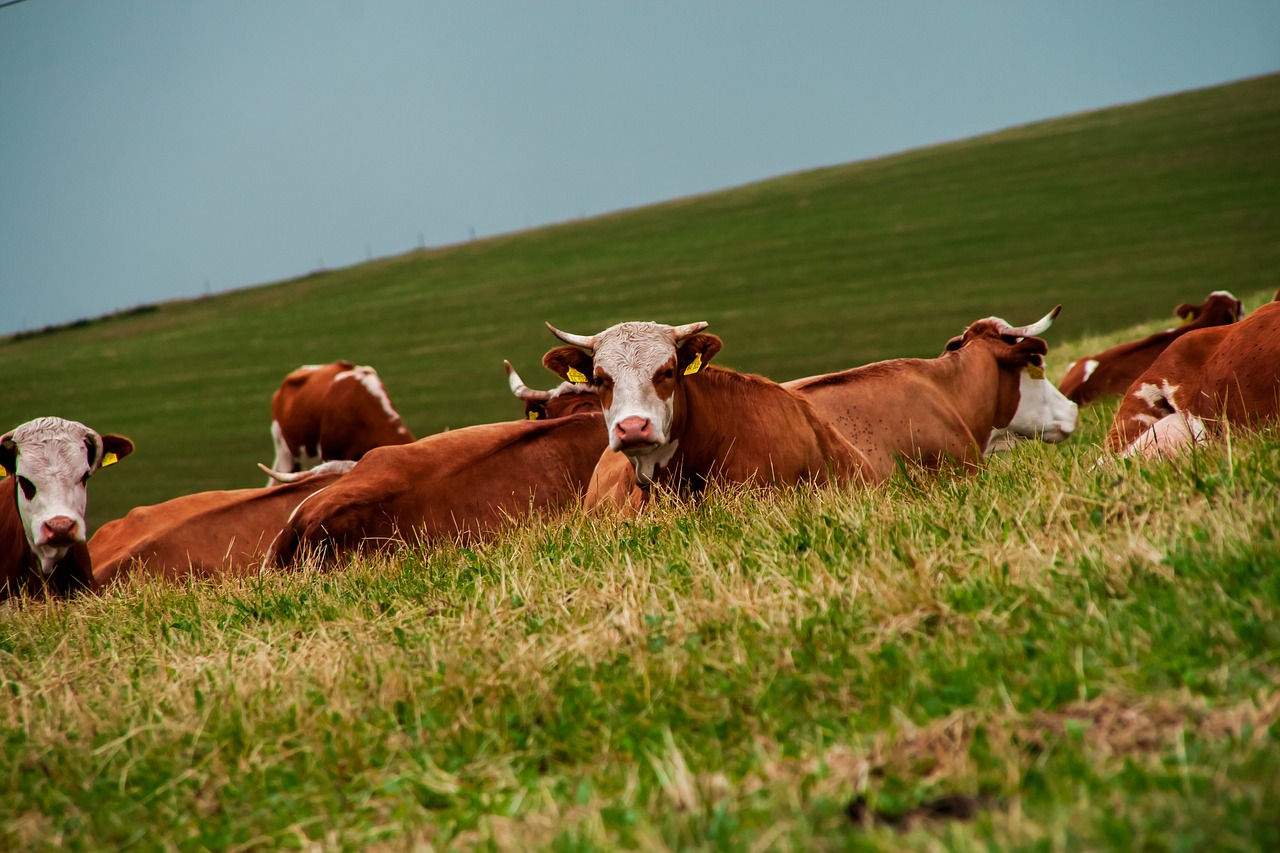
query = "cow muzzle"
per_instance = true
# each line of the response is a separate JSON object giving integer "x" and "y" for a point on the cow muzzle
{"x": 634, "y": 434}
{"x": 60, "y": 530}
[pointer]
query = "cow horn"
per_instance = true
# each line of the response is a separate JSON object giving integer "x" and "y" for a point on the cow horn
{"x": 1039, "y": 327}
{"x": 521, "y": 390}
{"x": 282, "y": 476}
{"x": 586, "y": 343}
{"x": 687, "y": 330}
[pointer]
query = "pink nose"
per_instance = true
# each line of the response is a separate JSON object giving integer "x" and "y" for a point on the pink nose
{"x": 634, "y": 431}
{"x": 60, "y": 529}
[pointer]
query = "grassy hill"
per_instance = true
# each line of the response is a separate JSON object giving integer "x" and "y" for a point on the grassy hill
{"x": 1118, "y": 214}
{"x": 1076, "y": 656}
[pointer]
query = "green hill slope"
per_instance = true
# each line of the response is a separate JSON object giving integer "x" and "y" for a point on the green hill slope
{"x": 1117, "y": 214}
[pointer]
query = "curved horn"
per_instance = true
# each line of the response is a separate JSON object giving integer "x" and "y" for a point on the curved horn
{"x": 579, "y": 341}
{"x": 687, "y": 330}
{"x": 524, "y": 392}
{"x": 283, "y": 477}
{"x": 1038, "y": 327}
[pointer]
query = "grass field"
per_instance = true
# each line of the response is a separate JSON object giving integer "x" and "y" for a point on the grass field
{"x": 1119, "y": 215}
{"x": 1079, "y": 657}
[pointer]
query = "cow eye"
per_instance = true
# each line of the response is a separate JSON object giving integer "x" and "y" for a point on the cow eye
{"x": 668, "y": 373}
{"x": 28, "y": 487}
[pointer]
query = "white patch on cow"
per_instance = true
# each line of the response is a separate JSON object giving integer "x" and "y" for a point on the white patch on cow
{"x": 1043, "y": 413}
{"x": 284, "y": 456}
{"x": 1171, "y": 434}
{"x": 53, "y": 457}
{"x": 1090, "y": 366}
{"x": 1145, "y": 419}
{"x": 647, "y": 464}
{"x": 368, "y": 377}
{"x": 1152, "y": 395}
{"x": 311, "y": 367}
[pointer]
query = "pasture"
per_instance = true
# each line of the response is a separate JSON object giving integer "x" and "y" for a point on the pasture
{"x": 1046, "y": 655}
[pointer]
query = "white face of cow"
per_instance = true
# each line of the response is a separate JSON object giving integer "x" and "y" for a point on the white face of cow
{"x": 51, "y": 460}
{"x": 635, "y": 368}
{"x": 1043, "y": 412}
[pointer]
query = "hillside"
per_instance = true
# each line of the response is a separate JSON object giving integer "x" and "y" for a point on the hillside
{"x": 1117, "y": 214}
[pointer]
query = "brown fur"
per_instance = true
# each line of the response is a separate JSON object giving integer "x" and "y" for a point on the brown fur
{"x": 1120, "y": 365}
{"x": 1221, "y": 373}
{"x": 461, "y": 484}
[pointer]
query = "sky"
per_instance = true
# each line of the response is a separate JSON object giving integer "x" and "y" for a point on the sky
{"x": 161, "y": 149}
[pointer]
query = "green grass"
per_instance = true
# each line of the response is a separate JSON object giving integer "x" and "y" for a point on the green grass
{"x": 1089, "y": 653}
{"x": 1120, "y": 215}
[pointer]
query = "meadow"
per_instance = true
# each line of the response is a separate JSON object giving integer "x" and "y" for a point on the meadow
{"x": 1047, "y": 655}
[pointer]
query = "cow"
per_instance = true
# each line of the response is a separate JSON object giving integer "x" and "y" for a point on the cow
{"x": 324, "y": 412}
{"x": 462, "y": 485}
{"x": 988, "y": 384}
{"x": 679, "y": 421}
{"x": 1205, "y": 379}
{"x": 204, "y": 535}
{"x": 42, "y": 502}
{"x": 1112, "y": 371}
{"x": 567, "y": 398}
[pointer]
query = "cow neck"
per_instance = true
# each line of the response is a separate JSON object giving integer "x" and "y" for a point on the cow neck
{"x": 971, "y": 373}
{"x": 706, "y": 411}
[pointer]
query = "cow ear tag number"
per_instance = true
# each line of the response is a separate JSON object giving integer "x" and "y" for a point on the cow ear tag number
{"x": 109, "y": 459}
{"x": 1035, "y": 372}
{"x": 576, "y": 376}
{"x": 694, "y": 366}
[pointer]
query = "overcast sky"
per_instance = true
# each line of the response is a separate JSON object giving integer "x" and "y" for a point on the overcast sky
{"x": 152, "y": 150}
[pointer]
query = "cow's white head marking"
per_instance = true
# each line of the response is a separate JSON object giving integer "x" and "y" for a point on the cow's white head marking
{"x": 50, "y": 461}
{"x": 636, "y": 369}
{"x": 1043, "y": 412}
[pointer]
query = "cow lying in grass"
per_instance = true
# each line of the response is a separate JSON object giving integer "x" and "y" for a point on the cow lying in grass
{"x": 675, "y": 420}
{"x": 42, "y": 503}
{"x": 1204, "y": 380}
{"x": 567, "y": 398}
{"x": 988, "y": 385}
{"x": 204, "y": 535}
{"x": 1113, "y": 370}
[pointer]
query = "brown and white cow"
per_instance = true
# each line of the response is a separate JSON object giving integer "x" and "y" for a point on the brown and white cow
{"x": 1112, "y": 371}
{"x": 324, "y": 412}
{"x": 567, "y": 398}
{"x": 204, "y": 535}
{"x": 463, "y": 484}
{"x": 1203, "y": 380}
{"x": 42, "y": 503}
{"x": 988, "y": 381}
{"x": 678, "y": 421}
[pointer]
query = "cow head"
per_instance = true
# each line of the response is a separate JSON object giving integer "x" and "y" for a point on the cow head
{"x": 568, "y": 398}
{"x": 50, "y": 461}
{"x": 1034, "y": 407}
{"x": 1219, "y": 309}
{"x": 636, "y": 369}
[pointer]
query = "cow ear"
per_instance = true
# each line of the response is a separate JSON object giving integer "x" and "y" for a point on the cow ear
{"x": 570, "y": 364}
{"x": 114, "y": 448}
{"x": 8, "y": 455}
{"x": 1187, "y": 312}
{"x": 955, "y": 343}
{"x": 696, "y": 352}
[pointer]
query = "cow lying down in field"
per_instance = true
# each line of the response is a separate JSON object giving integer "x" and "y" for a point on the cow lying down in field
{"x": 1113, "y": 370}
{"x": 1205, "y": 380}
{"x": 42, "y": 503}
{"x": 205, "y": 535}
{"x": 670, "y": 418}
{"x": 987, "y": 388}
{"x": 567, "y": 398}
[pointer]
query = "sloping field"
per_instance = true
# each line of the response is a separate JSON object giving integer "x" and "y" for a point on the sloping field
{"x": 1046, "y": 656}
{"x": 1119, "y": 215}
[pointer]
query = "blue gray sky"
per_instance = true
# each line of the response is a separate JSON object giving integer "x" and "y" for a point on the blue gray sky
{"x": 152, "y": 149}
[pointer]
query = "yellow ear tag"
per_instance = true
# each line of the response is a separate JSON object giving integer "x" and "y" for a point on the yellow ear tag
{"x": 109, "y": 459}
{"x": 3, "y": 473}
{"x": 1035, "y": 371}
{"x": 533, "y": 416}
{"x": 576, "y": 376}
{"x": 1187, "y": 318}
{"x": 694, "y": 366}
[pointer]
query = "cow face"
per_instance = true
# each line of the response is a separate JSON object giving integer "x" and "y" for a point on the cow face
{"x": 1043, "y": 412}
{"x": 51, "y": 460}
{"x": 1219, "y": 309}
{"x": 636, "y": 369}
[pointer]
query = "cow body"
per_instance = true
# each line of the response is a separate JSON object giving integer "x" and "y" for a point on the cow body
{"x": 1207, "y": 377}
{"x": 1114, "y": 370}
{"x": 42, "y": 504}
{"x": 204, "y": 535}
{"x": 988, "y": 385}
{"x": 462, "y": 484}
{"x": 679, "y": 422}
{"x": 331, "y": 411}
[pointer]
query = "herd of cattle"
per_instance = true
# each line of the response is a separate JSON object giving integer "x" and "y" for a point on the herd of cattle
{"x": 639, "y": 406}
